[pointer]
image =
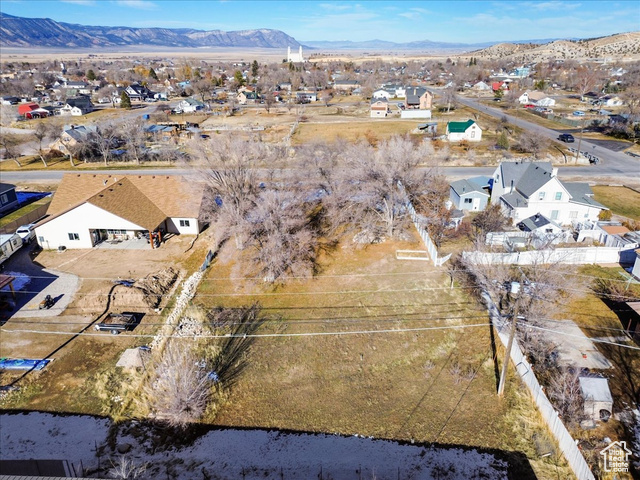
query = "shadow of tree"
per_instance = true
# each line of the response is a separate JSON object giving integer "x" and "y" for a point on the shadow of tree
{"x": 241, "y": 323}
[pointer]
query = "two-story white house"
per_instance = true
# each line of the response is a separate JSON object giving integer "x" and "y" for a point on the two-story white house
{"x": 526, "y": 189}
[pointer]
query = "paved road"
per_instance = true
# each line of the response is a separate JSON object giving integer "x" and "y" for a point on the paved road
{"x": 612, "y": 163}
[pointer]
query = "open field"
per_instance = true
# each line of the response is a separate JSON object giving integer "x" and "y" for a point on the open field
{"x": 319, "y": 375}
{"x": 621, "y": 200}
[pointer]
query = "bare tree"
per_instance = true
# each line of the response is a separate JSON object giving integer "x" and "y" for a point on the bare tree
{"x": 40, "y": 132}
{"x": 533, "y": 142}
{"x": 449, "y": 97}
{"x": 279, "y": 236}
{"x": 10, "y": 146}
{"x": 491, "y": 219}
{"x": 132, "y": 132}
{"x": 566, "y": 396}
{"x": 104, "y": 140}
{"x": 178, "y": 388}
{"x": 587, "y": 78}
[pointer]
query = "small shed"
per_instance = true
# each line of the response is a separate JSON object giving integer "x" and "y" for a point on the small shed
{"x": 598, "y": 403}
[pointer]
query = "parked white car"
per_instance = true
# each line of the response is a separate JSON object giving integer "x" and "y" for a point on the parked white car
{"x": 26, "y": 233}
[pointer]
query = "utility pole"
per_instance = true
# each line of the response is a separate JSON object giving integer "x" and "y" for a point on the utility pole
{"x": 512, "y": 333}
{"x": 580, "y": 140}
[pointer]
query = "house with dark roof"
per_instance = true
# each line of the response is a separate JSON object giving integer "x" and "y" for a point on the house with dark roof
{"x": 458, "y": 131}
{"x": 88, "y": 209}
{"x": 524, "y": 189}
{"x": 138, "y": 93}
{"x": 469, "y": 194}
{"x": 8, "y": 197}
{"x": 71, "y": 136}
{"x": 418, "y": 97}
{"x": 77, "y": 106}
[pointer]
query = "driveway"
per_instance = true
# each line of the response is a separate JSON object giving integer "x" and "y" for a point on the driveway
{"x": 33, "y": 283}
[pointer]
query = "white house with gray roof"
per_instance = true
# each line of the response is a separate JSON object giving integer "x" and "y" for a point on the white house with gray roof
{"x": 524, "y": 189}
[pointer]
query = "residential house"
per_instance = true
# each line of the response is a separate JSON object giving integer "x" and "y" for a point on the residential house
{"x": 543, "y": 231}
{"x": 90, "y": 208}
{"x": 71, "y": 136}
{"x": 379, "y": 108}
{"x": 611, "y": 101}
{"x": 523, "y": 189}
{"x": 346, "y": 85}
{"x": 495, "y": 86}
{"x": 395, "y": 90}
{"x": 8, "y": 197}
{"x": 469, "y": 194}
{"x": 481, "y": 87}
{"x": 381, "y": 94}
{"x": 418, "y": 98}
{"x": 138, "y": 93}
{"x": 77, "y": 106}
{"x": 190, "y": 105}
{"x": 286, "y": 86}
{"x": 539, "y": 99}
{"x": 306, "y": 97}
{"x": 610, "y": 234}
{"x": 458, "y": 131}
{"x": 77, "y": 88}
{"x": 10, "y": 100}
{"x": 161, "y": 132}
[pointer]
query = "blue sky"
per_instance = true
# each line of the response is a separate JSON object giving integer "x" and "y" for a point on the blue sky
{"x": 398, "y": 21}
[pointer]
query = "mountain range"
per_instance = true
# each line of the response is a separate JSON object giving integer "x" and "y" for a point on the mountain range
{"x": 47, "y": 33}
{"x": 44, "y": 32}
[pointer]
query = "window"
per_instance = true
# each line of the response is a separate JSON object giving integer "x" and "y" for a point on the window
{"x": 4, "y": 199}
{"x": 473, "y": 133}
{"x": 468, "y": 200}
{"x": 554, "y": 214}
{"x": 541, "y": 196}
{"x": 41, "y": 239}
{"x": 74, "y": 236}
{"x": 573, "y": 214}
{"x": 548, "y": 230}
{"x": 558, "y": 195}
{"x": 116, "y": 232}
{"x": 184, "y": 223}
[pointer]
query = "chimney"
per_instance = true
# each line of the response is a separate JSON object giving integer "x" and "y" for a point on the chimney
{"x": 511, "y": 185}
{"x": 104, "y": 182}
{"x": 554, "y": 172}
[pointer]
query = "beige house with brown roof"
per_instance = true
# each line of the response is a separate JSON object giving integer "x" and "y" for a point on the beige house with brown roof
{"x": 88, "y": 209}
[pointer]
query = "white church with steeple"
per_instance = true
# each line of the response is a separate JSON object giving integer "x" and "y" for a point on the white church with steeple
{"x": 295, "y": 57}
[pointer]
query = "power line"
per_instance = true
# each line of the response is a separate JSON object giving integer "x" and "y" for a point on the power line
{"x": 261, "y": 335}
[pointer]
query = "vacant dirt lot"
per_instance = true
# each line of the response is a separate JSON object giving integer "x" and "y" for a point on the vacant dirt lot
{"x": 61, "y": 386}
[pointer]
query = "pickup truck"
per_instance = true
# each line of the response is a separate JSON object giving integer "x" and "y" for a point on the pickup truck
{"x": 116, "y": 323}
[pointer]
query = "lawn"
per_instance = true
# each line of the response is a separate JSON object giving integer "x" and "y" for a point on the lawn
{"x": 13, "y": 216}
{"x": 621, "y": 200}
{"x": 414, "y": 384}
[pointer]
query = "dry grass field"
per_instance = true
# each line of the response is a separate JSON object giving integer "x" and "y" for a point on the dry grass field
{"x": 372, "y": 346}
{"x": 621, "y": 200}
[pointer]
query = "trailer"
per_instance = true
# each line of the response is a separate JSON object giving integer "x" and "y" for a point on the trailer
{"x": 9, "y": 244}
{"x": 117, "y": 322}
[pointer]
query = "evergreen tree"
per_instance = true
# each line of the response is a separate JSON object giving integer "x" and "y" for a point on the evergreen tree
{"x": 91, "y": 75}
{"x": 254, "y": 69}
{"x": 125, "y": 101}
{"x": 153, "y": 74}
{"x": 503, "y": 141}
{"x": 238, "y": 77}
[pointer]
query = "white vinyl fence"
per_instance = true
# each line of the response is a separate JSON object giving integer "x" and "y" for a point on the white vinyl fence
{"x": 431, "y": 247}
{"x": 573, "y": 256}
{"x": 565, "y": 441}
